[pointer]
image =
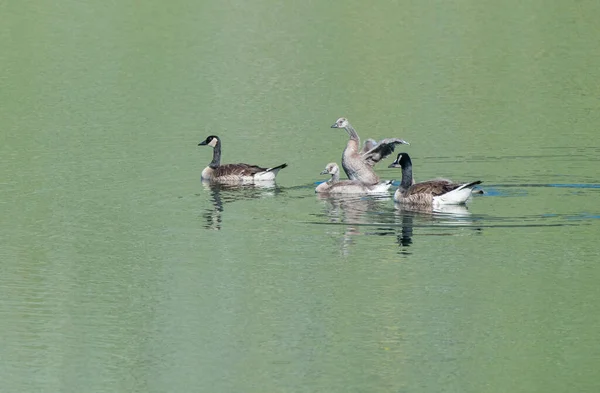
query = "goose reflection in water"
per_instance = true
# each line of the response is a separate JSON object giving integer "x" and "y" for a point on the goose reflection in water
{"x": 445, "y": 216}
{"x": 374, "y": 213}
{"x": 449, "y": 211}
{"x": 223, "y": 193}
{"x": 354, "y": 211}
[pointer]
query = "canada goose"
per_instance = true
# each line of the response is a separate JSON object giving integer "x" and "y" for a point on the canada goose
{"x": 337, "y": 186}
{"x": 358, "y": 165}
{"x": 234, "y": 172}
{"x": 432, "y": 192}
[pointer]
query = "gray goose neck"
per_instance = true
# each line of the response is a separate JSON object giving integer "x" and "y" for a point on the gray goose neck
{"x": 352, "y": 132}
{"x": 334, "y": 178}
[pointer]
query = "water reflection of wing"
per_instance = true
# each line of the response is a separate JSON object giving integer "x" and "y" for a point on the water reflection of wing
{"x": 222, "y": 193}
{"x": 352, "y": 210}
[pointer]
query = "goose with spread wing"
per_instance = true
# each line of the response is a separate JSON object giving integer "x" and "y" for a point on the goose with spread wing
{"x": 358, "y": 164}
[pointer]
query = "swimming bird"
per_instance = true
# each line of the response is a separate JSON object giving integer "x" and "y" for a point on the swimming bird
{"x": 432, "y": 192}
{"x": 358, "y": 165}
{"x": 337, "y": 186}
{"x": 234, "y": 172}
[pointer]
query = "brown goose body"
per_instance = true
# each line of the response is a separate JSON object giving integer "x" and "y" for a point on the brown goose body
{"x": 431, "y": 192}
{"x": 234, "y": 172}
{"x": 358, "y": 164}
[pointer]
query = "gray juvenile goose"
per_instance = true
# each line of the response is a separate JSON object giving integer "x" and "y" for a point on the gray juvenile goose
{"x": 234, "y": 172}
{"x": 432, "y": 192}
{"x": 358, "y": 165}
{"x": 337, "y": 186}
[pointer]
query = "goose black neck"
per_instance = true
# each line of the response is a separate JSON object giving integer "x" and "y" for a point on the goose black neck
{"x": 407, "y": 175}
{"x": 216, "y": 161}
{"x": 352, "y": 132}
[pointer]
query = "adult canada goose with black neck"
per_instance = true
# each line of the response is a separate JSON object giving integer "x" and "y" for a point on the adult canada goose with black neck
{"x": 432, "y": 192}
{"x": 234, "y": 172}
{"x": 358, "y": 164}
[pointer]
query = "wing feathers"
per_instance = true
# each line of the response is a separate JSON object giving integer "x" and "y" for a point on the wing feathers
{"x": 433, "y": 187}
{"x": 243, "y": 170}
{"x": 381, "y": 150}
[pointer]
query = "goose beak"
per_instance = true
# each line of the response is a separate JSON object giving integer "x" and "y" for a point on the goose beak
{"x": 335, "y": 125}
{"x": 203, "y": 143}
{"x": 323, "y": 172}
{"x": 394, "y": 165}
{"x": 402, "y": 141}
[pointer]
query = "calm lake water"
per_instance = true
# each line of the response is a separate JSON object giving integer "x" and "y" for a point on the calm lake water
{"x": 121, "y": 272}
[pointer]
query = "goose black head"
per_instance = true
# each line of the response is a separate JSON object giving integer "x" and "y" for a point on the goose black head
{"x": 401, "y": 161}
{"x": 342, "y": 122}
{"x": 211, "y": 141}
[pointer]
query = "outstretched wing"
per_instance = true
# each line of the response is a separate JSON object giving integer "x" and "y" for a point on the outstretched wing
{"x": 369, "y": 144}
{"x": 381, "y": 150}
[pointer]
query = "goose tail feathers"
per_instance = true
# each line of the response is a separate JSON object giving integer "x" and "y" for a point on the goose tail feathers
{"x": 457, "y": 196}
{"x": 276, "y": 168}
{"x": 469, "y": 185}
{"x": 269, "y": 173}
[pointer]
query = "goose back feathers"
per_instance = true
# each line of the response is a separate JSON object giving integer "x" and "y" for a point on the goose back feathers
{"x": 234, "y": 172}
